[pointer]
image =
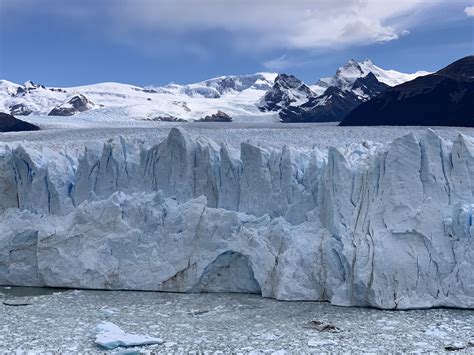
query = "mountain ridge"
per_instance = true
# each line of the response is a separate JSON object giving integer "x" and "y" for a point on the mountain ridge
{"x": 236, "y": 95}
{"x": 444, "y": 98}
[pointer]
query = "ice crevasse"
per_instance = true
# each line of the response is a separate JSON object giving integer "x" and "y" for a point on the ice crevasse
{"x": 382, "y": 226}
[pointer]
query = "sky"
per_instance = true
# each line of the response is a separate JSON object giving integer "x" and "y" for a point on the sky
{"x": 155, "y": 42}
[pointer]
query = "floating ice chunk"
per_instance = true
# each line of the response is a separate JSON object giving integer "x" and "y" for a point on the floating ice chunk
{"x": 110, "y": 336}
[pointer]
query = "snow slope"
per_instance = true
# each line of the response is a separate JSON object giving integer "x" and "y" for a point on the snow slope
{"x": 365, "y": 225}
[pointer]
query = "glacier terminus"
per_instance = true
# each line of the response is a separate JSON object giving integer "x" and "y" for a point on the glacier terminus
{"x": 387, "y": 226}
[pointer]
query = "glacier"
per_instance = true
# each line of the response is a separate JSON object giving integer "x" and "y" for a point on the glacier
{"x": 386, "y": 226}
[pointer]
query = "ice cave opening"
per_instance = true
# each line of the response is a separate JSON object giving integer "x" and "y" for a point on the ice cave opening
{"x": 229, "y": 272}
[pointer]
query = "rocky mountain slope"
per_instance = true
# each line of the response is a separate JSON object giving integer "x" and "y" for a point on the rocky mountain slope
{"x": 9, "y": 123}
{"x": 370, "y": 225}
{"x": 445, "y": 98}
{"x": 335, "y": 103}
{"x": 286, "y": 90}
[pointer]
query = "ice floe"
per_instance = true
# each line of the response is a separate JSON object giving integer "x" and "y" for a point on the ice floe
{"x": 110, "y": 336}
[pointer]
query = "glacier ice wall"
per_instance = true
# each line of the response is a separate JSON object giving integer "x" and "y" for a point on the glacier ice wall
{"x": 388, "y": 227}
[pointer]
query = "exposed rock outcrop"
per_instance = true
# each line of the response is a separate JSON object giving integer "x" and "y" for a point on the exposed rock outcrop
{"x": 168, "y": 118}
{"x": 368, "y": 86}
{"x": 329, "y": 107}
{"x": 20, "y": 110}
{"x": 76, "y": 104}
{"x": 286, "y": 90}
{"x": 219, "y": 116}
{"x": 336, "y": 102}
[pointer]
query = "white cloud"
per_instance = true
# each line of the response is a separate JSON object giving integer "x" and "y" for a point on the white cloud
{"x": 469, "y": 10}
{"x": 297, "y": 24}
{"x": 287, "y": 24}
{"x": 277, "y": 64}
{"x": 282, "y": 62}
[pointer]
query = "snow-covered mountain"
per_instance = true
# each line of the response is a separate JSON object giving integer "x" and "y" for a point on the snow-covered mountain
{"x": 353, "y": 84}
{"x": 445, "y": 98}
{"x": 347, "y": 74}
{"x": 234, "y": 95}
{"x": 333, "y": 104}
{"x": 287, "y": 90}
{"x": 217, "y": 87}
{"x": 260, "y": 96}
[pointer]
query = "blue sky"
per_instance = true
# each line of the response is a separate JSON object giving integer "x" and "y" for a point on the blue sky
{"x": 142, "y": 42}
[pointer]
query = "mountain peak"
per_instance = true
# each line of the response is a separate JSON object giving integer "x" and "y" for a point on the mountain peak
{"x": 346, "y": 75}
{"x": 287, "y": 90}
{"x": 352, "y": 64}
{"x": 289, "y": 81}
{"x": 31, "y": 85}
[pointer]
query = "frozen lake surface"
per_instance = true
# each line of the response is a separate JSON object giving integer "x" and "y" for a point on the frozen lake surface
{"x": 65, "y": 321}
